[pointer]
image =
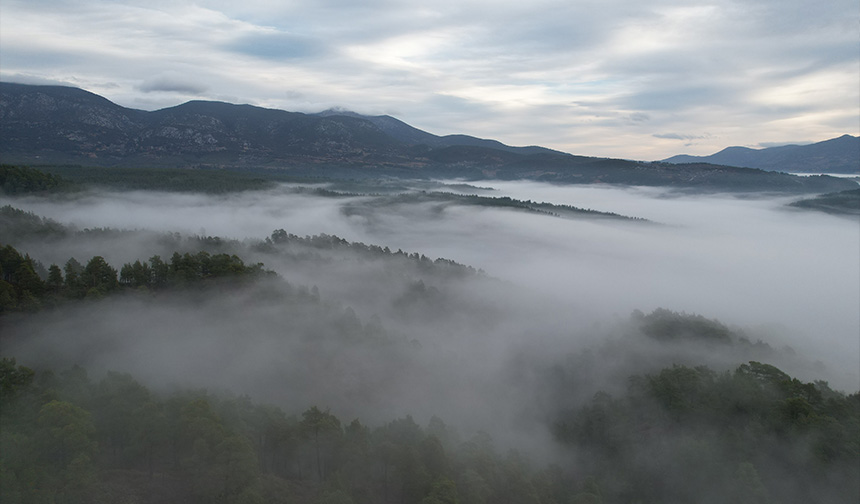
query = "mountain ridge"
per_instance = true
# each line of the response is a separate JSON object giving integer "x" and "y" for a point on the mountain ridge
{"x": 44, "y": 125}
{"x": 836, "y": 155}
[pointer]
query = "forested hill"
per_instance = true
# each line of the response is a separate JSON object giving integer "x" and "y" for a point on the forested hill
{"x": 43, "y": 125}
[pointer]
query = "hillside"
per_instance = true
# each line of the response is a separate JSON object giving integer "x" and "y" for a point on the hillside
{"x": 53, "y": 125}
{"x": 837, "y": 155}
{"x": 842, "y": 203}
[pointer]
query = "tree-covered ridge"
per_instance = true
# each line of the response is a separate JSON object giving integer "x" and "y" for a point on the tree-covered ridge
{"x": 16, "y": 180}
{"x": 755, "y": 435}
{"x": 688, "y": 434}
{"x": 667, "y": 325}
{"x": 843, "y": 202}
{"x": 20, "y": 227}
{"x": 280, "y": 240}
{"x": 17, "y": 224}
{"x": 22, "y": 288}
{"x": 377, "y": 200}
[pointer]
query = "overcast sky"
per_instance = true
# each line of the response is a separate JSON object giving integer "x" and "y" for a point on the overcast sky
{"x": 615, "y": 78}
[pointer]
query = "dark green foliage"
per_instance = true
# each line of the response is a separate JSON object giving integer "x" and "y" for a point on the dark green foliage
{"x": 13, "y": 378}
{"x": 21, "y": 288}
{"x": 74, "y": 440}
{"x": 737, "y": 437}
{"x": 189, "y": 268}
{"x": 444, "y": 491}
{"x": 280, "y": 239}
{"x": 48, "y": 449}
{"x": 323, "y": 430}
{"x": 24, "y": 180}
{"x": 74, "y": 283}
{"x": 33, "y": 288}
{"x": 55, "y": 279}
{"x": 683, "y": 434}
{"x": 98, "y": 277}
{"x": 18, "y": 224}
{"x": 666, "y": 325}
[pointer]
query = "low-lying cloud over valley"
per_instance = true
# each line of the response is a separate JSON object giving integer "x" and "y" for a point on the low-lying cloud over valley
{"x": 470, "y": 346}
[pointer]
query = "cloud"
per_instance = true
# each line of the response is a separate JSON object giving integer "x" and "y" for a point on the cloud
{"x": 779, "y": 144}
{"x": 558, "y": 291}
{"x": 172, "y": 84}
{"x": 35, "y": 80}
{"x": 678, "y": 136}
{"x": 276, "y": 46}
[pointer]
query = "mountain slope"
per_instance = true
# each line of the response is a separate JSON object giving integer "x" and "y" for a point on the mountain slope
{"x": 837, "y": 155}
{"x": 43, "y": 125}
{"x": 413, "y": 136}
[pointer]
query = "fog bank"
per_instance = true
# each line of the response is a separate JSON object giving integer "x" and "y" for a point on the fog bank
{"x": 472, "y": 350}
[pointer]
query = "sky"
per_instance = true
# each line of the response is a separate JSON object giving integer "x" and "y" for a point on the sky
{"x": 611, "y": 78}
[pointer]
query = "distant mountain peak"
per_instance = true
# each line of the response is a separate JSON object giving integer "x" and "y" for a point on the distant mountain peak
{"x": 338, "y": 111}
{"x": 836, "y": 155}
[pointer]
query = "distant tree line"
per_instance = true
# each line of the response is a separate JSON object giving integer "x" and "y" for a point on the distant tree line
{"x": 23, "y": 289}
{"x": 23, "y": 180}
{"x": 282, "y": 239}
{"x": 543, "y": 208}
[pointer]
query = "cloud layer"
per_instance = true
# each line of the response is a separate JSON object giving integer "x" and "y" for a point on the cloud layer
{"x": 614, "y": 78}
{"x": 547, "y": 327}
{"x": 750, "y": 262}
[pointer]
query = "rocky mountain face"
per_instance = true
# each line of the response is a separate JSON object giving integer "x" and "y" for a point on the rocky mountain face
{"x": 837, "y": 155}
{"x": 57, "y": 123}
{"x": 41, "y": 125}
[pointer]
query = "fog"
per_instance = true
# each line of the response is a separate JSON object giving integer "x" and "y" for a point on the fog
{"x": 472, "y": 349}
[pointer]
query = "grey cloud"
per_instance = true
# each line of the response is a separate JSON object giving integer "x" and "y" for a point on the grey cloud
{"x": 680, "y": 96}
{"x": 277, "y": 46}
{"x": 780, "y": 144}
{"x": 34, "y": 79}
{"x": 172, "y": 84}
{"x": 679, "y": 136}
{"x": 41, "y": 60}
{"x": 446, "y": 114}
{"x": 557, "y": 287}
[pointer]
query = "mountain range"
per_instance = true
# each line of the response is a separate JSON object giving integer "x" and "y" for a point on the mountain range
{"x": 837, "y": 155}
{"x": 51, "y": 125}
